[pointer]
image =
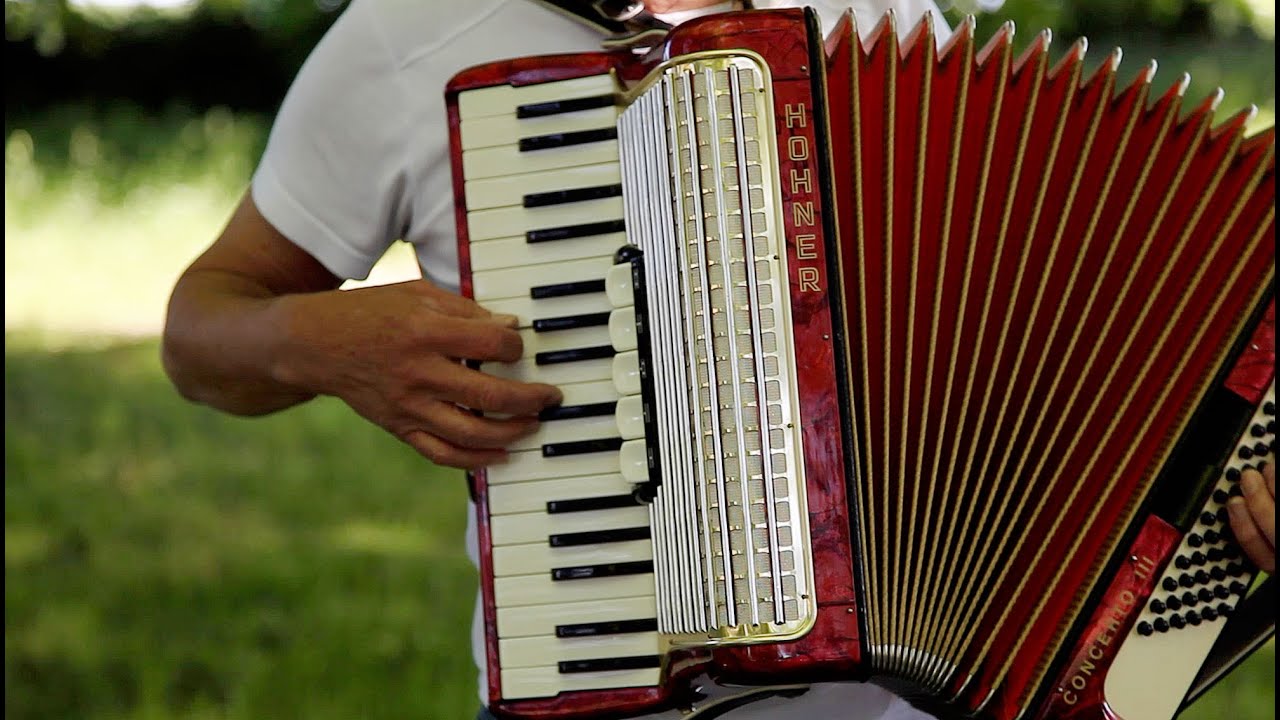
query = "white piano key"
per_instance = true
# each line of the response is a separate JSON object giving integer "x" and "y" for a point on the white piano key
{"x": 527, "y": 370}
{"x": 514, "y": 221}
{"x": 534, "y": 527}
{"x": 618, "y": 285}
{"x": 622, "y": 329}
{"x": 514, "y": 282}
{"x": 509, "y": 160}
{"x": 539, "y": 557}
{"x": 511, "y": 189}
{"x": 633, "y": 461}
{"x": 586, "y": 337}
{"x": 535, "y": 651}
{"x": 504, "y": 99}
{"x": 530, "y": 465}
{"x": 499, "y": 129}
{"x": 543, "y": 619}
{"x": 527, "y": 309}
{"x": 588, "y": 393}
{"x": 533, "y": 496}
{"x": 626, "y": 373}
{"x": 541, "y": 589}
{"x": 559, "y": 431}
{"x": 547, "y": 681}
{"x": 629, "y": 417}
{"x": 516, "y": 252}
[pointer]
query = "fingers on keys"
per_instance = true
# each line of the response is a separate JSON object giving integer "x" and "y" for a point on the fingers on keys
{"x": 490, "y": 338}
{"x": 489, "y": 394}
{"x": 442, "y": 452}
{"x": 469, "y": 431}
{"x": 1253, "y": 516}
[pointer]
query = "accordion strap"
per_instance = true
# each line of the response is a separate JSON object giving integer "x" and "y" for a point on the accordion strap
{"x": 624, "y": 23}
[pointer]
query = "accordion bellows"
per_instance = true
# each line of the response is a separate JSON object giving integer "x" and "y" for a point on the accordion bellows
{"x": 929, "y": 366}
{"x": 1041, "y": 272}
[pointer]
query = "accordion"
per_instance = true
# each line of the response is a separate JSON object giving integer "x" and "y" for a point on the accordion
{"x": 933, "y": 367}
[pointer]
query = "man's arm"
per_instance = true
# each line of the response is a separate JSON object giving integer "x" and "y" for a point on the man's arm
{"x": 256, "y": 325}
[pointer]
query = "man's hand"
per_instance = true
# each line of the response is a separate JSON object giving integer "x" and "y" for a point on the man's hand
{"x": 256, "y": 325}
{"x": 394, "y": 353}
{"x": 1253, "y": 516}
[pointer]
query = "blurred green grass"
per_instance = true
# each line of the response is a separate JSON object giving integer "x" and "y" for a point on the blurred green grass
{"x": 164, "y": 561}
{"x": 103, "y": 209}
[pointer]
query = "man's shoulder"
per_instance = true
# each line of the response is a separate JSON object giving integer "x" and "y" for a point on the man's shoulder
{"x": 444, "y": 33}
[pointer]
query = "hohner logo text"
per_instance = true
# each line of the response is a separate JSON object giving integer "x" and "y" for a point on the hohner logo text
{"x": 800, "y": 207}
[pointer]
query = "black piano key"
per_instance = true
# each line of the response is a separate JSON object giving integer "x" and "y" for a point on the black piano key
{"x": 580, "y": 287}
{"x": 599, "y": 537}
{"x": 581, "y": 447}
{"x": 571, "y": 322}
{"x": 556, "y": 107}
{"x": 638, "y": 662}
{"x": 573, "y": 412}
{"x": 551, "y": 141}
{"x": 612, "y": 627}
{"x": 586, "y": 572}
{"x": 604, "y": 502}
{"x": 560, "y": 197}
{"x": 568, "y": 232}
{"x": 555, "y": 357}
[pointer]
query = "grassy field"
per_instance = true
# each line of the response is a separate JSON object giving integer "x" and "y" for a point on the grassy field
{"x": 162, "y": 561}
{"x": 165, "y": 562}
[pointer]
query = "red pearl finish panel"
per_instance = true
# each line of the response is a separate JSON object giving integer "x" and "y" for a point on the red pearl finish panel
{"x": 1078, "y": 689}
{"x": 831, "y": 648}
{"x": 1252, "y": 375}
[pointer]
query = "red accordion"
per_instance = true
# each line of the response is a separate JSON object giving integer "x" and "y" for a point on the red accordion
{"x": 930, "y": 367}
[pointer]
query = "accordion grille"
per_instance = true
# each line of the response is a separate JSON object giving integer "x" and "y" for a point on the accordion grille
{"x": 728, "y": 521}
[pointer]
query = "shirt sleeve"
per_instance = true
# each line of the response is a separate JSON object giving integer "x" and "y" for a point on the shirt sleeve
{"x": 334, "y": 177}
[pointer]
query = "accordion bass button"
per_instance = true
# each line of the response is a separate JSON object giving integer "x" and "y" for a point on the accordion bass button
{"x": 630, "y": 417}
{"x": 617, "y": 284}
{"x": 633, "y": 461}
{"x": 622, "y": 329}
{"x": 626, "y": 373}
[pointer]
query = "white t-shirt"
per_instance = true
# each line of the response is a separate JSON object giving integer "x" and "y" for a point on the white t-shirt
{"x": 358, "y": 158}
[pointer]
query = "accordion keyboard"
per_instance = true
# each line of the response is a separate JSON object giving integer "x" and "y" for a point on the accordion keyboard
{"x": 662, "y": 504}
{"x": 1191, "y": 602}
{"x": 572, "y": 560}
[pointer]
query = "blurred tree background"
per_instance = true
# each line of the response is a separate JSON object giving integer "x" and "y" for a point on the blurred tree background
{"x": 162, "y": 561}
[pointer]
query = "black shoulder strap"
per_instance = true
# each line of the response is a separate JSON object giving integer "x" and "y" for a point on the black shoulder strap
{"x": 617, "y": 20}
